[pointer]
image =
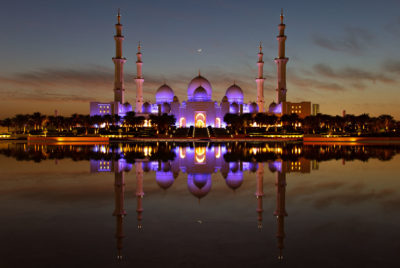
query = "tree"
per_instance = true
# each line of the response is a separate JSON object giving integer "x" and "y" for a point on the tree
{"x": 37, "y": 120}
{"x": 7, "y": 122}
{"x": 233, "y": 121}
{"x": 20, "y": 121}
{"x": 162, "y": 122}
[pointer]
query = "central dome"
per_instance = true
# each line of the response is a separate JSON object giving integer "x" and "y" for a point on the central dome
{"x": 234, "y": 94}
{"x": 200, "y": 94}
{"x": 197, "y": 82}
{"x": 164, "y": 94}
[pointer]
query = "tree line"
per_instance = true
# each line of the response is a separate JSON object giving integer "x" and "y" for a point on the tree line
{"x": 318, "y": 124}
{"x": 38, "y": 123}
{"x": 238, "y": 124}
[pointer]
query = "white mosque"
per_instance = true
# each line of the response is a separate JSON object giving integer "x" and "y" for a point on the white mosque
{"x": 199, "y": 110}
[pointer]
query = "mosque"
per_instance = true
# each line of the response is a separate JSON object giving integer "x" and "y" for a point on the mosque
{"x": 199, "y": 110}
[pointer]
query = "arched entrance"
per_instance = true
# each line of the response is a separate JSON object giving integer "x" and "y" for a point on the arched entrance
{"x": 200, "y": 119}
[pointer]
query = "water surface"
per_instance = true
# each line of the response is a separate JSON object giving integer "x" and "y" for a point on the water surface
{"x": 199, "y": 205}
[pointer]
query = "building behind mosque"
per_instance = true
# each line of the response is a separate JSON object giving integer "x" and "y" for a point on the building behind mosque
{"x": 199, "y": 110}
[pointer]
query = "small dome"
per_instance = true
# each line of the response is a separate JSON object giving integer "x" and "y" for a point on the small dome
{"x": 196, "y": 82}
{"x": 146, "y": 108}
{"x": 164, "y": 94}
{"x": 253, "y": 167}
{"x": 176, "y": 99}
{"x": 272, "y": 105}
{"x": 234, "y": 180}
{"x": 234, "y": 94}
{"x": 234, "y": 108}
{"x": 275, "y": 166}
{"x": 200, "y": 94}
{"x": 253, "y": 107}
{"x": 225, "y": 99}
{"x": 166, "y": 108}
{"x": 199, "y": 184}
{"x": 164, "y": 179}
{"x": 146, "y": 166}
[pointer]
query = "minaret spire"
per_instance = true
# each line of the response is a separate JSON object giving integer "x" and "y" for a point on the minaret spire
{"x": 260, "y": 81}
{"x": 139, "y": 80}
{"x": 119, "y": 16}
{"x": 281, "y": 61}
{"x": 119, "y": 61}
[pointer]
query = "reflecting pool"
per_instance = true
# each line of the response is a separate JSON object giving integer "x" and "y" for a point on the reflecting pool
{"x": 199, "y": 205}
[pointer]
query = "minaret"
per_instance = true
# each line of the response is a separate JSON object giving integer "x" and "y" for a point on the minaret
{"x": 260, "y": 81}
{"x": 280, "y": 211}
{"x": 119, "y": 61}
{"x": 139, "y": 193}
{"x": 139, "y": 81}
{"x": 119, "y": 211}
{"x": 260, "y": 194}
{"x": 281, "y": 61}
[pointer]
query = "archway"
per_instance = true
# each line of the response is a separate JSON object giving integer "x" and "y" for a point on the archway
{"x": 200, "y": 119}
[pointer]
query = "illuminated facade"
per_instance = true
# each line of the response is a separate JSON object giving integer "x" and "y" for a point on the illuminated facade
{"x": 199, "y": 109}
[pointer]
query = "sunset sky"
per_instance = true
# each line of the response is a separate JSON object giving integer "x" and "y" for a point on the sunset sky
{"x": 56, "y": 55}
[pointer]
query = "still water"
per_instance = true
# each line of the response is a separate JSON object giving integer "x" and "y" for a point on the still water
{"x": 199, "y": 205}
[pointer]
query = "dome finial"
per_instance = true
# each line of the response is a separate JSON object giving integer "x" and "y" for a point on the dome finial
{"x": 199, "y": 73}
{"x": 260, "y": 47}
{"x": 139, "y": 46}
{"x": 281, "y": 15}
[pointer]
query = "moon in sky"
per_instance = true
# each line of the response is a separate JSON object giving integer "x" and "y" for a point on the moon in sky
{"x": 199, "y": 50}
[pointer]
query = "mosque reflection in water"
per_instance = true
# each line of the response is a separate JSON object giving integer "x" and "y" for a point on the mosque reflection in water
{"x": 198, "y": 162}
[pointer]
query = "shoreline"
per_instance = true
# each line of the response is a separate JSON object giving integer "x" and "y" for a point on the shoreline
{"x": 308, "y": 140}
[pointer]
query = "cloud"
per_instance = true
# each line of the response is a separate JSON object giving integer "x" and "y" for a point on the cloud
{"x": 57, "y": 84}
{"x": 355, "y": 40}
{"x": 311, "y": 83}
{"x": 96, "y": 84}
{"x": 354, "y": 75}
{"x": 392, "y": 66}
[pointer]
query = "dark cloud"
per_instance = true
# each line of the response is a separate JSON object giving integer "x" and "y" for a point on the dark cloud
{"x": 354, "y": 75}
{"x": 392, "y": 66}
{"x": 354, "y": 40}
{"x": 311, "y": 83}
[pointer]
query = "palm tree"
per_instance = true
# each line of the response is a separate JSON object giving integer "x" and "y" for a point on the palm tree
{"x": 108, "y": 119}
{"x": 161, "y": 122}
{"x": 21, "y": 121}
{"x": 116, "y": 119}
{"x": 233, "y": 121}
{"x": 7, "y": 122}
{"x": 37, "y": 120}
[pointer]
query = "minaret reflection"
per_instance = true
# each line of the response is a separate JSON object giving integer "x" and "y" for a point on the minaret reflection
{"x": 119, "y": 211}
{"x": 139, "y": 193}
{"x": 260, "y": 194}
{"x": 280, "y": 168}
